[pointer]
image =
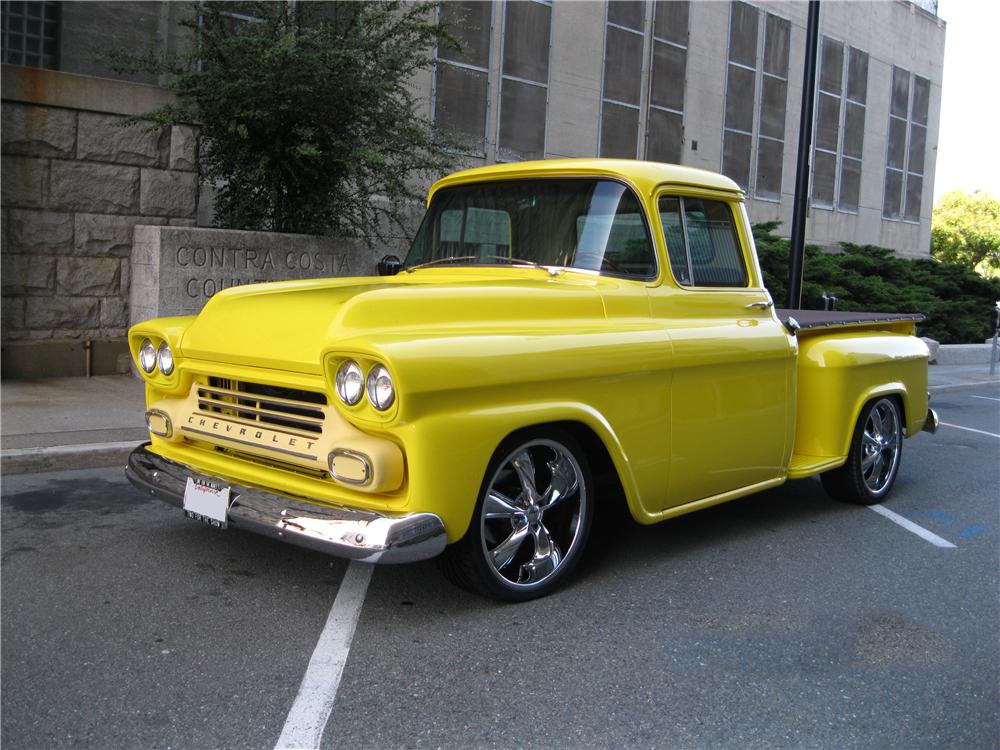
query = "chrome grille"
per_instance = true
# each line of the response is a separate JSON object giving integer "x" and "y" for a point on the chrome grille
{"x": 256, "y": 403}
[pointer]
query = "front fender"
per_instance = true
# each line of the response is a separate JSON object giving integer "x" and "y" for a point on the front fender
{"x": 448, "y": 454}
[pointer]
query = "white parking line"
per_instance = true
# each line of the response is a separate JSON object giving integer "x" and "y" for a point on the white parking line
{"x": 986, "y": 398}
{"x": 307, "y": 718}
{"x": 912, "y": 527}
{"x": 969, "y": 429}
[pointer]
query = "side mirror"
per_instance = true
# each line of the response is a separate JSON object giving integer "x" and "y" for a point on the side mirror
{"x": 389, "y": 265}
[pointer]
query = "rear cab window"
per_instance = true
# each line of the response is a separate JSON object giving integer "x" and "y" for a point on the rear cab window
{"x": 702, "y": 242}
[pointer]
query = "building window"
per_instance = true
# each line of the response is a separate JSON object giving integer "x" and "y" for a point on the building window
{"x": 622, "y": 105}
{"x": 756, "y": 83}
{"x": 461, "y": 77}
{"x": 31, "y": 34}
{"x": 524, "y": 80}
{"x": 668, "y": 71}
{"x": 904, "y": 157}
{"x": 840, "y": 127}
{"x": 624, "y": 35}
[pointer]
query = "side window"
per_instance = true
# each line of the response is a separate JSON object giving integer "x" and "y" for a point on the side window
{"x": 702, "y": 242}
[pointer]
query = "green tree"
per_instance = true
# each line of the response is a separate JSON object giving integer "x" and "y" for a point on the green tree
{"x": 307, "y": 119}
{"x": 966, "y": 230}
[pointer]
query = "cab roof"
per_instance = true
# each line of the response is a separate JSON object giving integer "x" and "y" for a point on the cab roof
{"x": 645, "y": 176}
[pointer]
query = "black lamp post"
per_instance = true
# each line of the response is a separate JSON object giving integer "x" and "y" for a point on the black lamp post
{"x": 798, "y": 238}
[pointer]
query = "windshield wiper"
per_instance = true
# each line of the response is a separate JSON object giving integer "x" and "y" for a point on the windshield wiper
{"x": 523, "y": 262}
{"x": 449, "y": 259}
{"x": 506, "y": 259}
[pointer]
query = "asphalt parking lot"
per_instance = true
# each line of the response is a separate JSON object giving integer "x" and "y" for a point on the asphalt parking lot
{"x": 781, "y": 620}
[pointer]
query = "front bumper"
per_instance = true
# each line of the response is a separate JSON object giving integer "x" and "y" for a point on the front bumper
{"x": 340, "y": 531}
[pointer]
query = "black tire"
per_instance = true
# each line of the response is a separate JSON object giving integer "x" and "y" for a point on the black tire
{"x": 874, "y": 457}
{"x": 471, "y": 562}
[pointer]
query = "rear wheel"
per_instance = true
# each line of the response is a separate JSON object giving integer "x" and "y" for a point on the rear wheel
{"x": 873, "y": 460}
{"x": 531, "y": 520}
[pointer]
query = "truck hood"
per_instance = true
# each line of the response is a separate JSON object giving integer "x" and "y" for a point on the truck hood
{"x": 293, "y": 325}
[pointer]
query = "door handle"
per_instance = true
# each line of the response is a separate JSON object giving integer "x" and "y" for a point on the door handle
{"x": 761, "y": 305}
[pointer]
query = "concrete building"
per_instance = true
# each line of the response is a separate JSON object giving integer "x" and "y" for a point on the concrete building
{"x": 715, "y": 85}
{"x": 718, "y": 86}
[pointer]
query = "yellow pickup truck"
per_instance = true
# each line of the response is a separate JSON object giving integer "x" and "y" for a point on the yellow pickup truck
{"x": 563, "y": 336}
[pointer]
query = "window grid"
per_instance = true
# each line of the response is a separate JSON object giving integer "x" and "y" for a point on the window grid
{"x": 31, "y": 34}
{"x": 504, "y": 154}
{"x": 759, "y": 74}
{"x": 675, "y": 45}
{"x": 441, "y": 59}
{"x": 766, "y": 75}
{"x": 653, "y": 148}
{"x": 605, "y": 99}
{"x": 906, "y": 213}
{"x": 843, "y": 99}
{"x": 645, "y": 109}
{"x": 861, "y": 104}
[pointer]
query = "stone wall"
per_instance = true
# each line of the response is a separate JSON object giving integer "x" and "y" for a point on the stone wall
{"x": 175, "y": 270}
{"x": 75, "y": 182}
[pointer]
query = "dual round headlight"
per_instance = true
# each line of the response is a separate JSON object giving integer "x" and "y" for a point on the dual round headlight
{"x": 150, "y": 357}
{"x": 351, "y": 384}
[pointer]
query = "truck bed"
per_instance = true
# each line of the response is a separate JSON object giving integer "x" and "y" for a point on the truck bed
{"x": 813, "y": 320}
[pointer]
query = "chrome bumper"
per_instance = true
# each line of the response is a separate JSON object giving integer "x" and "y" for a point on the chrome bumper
{"x": 931, "y": 423}
{"x": 343, "y": 532}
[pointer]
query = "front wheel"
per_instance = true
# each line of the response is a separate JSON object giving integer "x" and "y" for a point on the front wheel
{"x": 531, "y": 520}
{"x": 873, "y": 460}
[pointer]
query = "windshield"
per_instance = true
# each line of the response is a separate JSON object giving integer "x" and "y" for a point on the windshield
{"x": 573, "y": 223}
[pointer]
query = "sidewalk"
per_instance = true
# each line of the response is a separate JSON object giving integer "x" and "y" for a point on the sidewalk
{"x": 69, "y": 423}
{"x": 74, "y": 423}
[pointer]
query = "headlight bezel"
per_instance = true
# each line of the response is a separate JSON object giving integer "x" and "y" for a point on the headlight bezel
{"x": 380, "y": 372}
{"x": 368, "y": 408}
{"x": 346, "y": 368}
{"x": 147, "y": 347}
{"x": 163, "y": 351}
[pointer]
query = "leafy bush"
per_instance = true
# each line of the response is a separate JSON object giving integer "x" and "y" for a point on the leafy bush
{"x": 958, "y": 303}
{"x": 307, "y": 115}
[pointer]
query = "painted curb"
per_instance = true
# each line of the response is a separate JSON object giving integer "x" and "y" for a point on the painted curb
{"x": 58, "y": 457}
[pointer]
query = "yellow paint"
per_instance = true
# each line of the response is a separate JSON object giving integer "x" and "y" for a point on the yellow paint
{"x": 696, "y": 398}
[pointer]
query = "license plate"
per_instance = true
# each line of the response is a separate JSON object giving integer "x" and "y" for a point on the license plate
{"x": 206, "y": 502}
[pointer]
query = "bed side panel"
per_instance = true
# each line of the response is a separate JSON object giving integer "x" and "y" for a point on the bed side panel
{"x": 839, "y": 372}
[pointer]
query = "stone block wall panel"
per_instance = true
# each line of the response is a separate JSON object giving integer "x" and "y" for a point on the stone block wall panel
{"x": 183, "y": 147}
{"x": 104, "y": 234}
{"x": 72, "y": 179}
{"x": 24, "y": 181}
{"x": 109, "y": 138}
{"x": 38, "y": 131}
{"x": 40, "y": 232}
{"x": 114, "y": 313}
{"x": 90, "y": 277}
{"x": 28, "y": 274}
{"x": 96, "y": 188}
{"x": 12, "y": 314}
{"x": 67, "y": 313}
{"x": 168, "y": 193}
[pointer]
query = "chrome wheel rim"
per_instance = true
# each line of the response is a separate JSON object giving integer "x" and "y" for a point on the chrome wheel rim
{"x": 531, "y": 518}
{"x": 880, "y": 445}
